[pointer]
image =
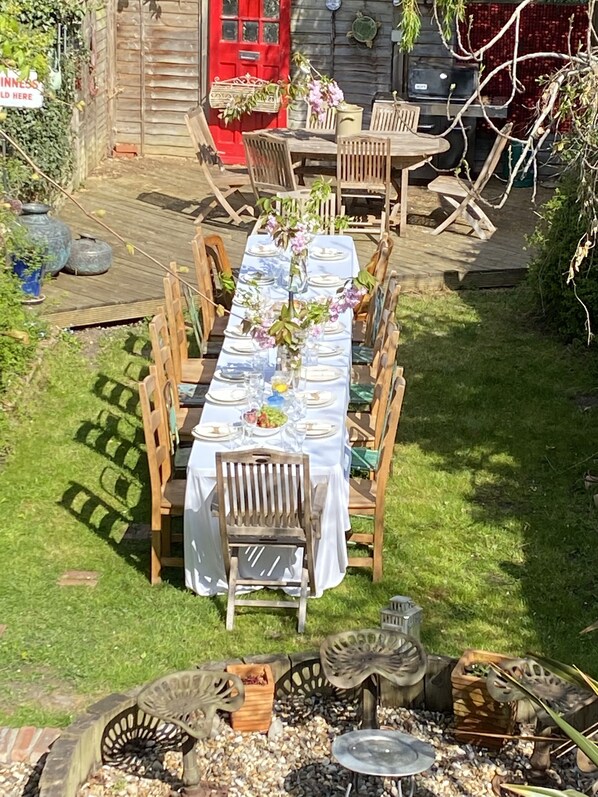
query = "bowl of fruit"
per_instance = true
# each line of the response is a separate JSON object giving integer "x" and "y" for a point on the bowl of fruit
{"x": 269, "y": 420}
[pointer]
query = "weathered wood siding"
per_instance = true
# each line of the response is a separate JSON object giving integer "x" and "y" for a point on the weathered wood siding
{"x": 359, "y": 70}
{"x": 158, "y": 73}
{"x": 92, "y": 123}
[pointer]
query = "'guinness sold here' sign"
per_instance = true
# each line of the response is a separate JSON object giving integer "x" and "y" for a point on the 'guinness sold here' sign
{"x": 17, "y": 92}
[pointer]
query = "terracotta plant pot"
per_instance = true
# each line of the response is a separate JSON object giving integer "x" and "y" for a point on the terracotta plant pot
{"x": 473, "y": 707}
{"x": 256, "y": 712}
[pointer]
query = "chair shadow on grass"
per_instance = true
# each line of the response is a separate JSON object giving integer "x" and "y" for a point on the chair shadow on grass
{"x": 104, "y": 437}
{"x": 117, "y": 395}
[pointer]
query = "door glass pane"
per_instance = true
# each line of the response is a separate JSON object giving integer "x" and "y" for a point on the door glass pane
{"x": 270, "y": 32}
{"x": 250, "y": 31}
{"x": 271, "y": 9}
{"x": 229, "y": 30}
{"x": 230, "y": 8}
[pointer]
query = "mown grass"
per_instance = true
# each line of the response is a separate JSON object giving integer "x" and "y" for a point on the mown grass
{"x": 488, "y": 525}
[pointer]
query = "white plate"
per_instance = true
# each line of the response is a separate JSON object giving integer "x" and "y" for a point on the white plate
{"x": 318, "y": 428}
{"x": 235, "y": 331}
{"x": 227, "y": 395}
{"x": 229, "y": 377}
{"x": 240, "y": 347}
{"x": 318, "y": 398}
{"x": 321, "y": 373}
{"x": 333, "y": 328}
{"x": 325, "y": 281}
{"x": 327, "y": 253}
{"x": 262, "y": 250}
{"x": 214, "y": 431}
{"x": 328, "y": 351}
{"x": 257, "y": 278}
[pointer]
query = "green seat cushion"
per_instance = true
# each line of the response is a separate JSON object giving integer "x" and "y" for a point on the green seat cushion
{"x": 363, "y": 461}
{"x": 192, "y": 395}
{"x": 181, "y": 460}
{"x": 360, "y": 397}
{"x": 362, "y": 355}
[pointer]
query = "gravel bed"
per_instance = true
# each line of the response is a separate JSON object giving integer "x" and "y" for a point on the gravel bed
{"x": 294, "y": 760}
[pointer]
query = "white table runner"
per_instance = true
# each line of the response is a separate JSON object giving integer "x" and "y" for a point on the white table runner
{"x": 329, "y": 458}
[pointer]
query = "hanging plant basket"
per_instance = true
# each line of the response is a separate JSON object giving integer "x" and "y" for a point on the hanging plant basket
{"x": 223, "y": 91}
{"x": 364, "y": 29}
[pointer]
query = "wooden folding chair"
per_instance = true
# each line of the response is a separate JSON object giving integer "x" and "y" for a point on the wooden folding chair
{"x": 167, "y": 494}
{"x": 223, "y": 182}
{"x": 213, "y": 325}
{"x": 397, "y": 117}
{"x": 191, "y": 393}
{"x": 363, "y": 171}
{"x": 269, "y": 164}
{"x": 266, "y": 498}
{"x": 367, "y": 497}
{"x": 464, "y": 198}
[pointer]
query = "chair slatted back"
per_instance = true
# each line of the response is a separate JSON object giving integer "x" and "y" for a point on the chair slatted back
{"x": 162, "y": 352}
{"x": 326, "y": 124}
{"x": 217, "y": 256}
{"x": 395, "y": 117}
{"x": 491, "y": 162}
{"x": 269, "y": 164}
{"x": 175, "y": 320}
{"x": 377, "y": 267}
{"x": 389, "y": 435}
{"x": 204, "y": 283}
{"x": 363, "y": 162}
{"x": 325, "y": 208}
{"x": 157, "y": 440}
{"x": 382, "y": 389}
{"x": 382, "y": 307}
{"x": 263, "y": 492}
{"x": 203, "y": 141}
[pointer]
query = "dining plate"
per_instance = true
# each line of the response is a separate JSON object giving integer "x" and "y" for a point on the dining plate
{"x": 257, "y": 277}
{"x": 235, "y": 331}
{"x": 327, "y": 253}
{"x": 324, "y": 350}
{"x": 325, "y": 281}
{"x": 318, "y": 428}
{"x": 214, "y": 431}
{"x": 229, "y": 373}
{"x": 321, "y": 373}
{"x": 227, "y": 395}
{"x": 333, "y": 328}
{"x": 262, "y": 250}
{"x": 319, "y": 398}
{"x": 240, "y": 347}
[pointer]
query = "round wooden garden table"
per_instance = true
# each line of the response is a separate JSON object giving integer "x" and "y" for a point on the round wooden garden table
{"x": 406, "y": 149}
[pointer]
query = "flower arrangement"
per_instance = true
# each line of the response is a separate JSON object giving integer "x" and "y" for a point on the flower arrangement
{"x": 320, "y": 91}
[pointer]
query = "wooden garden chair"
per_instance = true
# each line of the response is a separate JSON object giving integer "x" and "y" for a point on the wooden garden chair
{"x": 220, "y": 268}
{"x": 325, "y": 209}
{"x": 364, "y": 378}
{"x": 397, "y": 117}
{"x": 464, "y": 197}
{"x": 367, "y": 496}
{"x": 265, "y": 498}
{"x": 325, "y": 125}
{"x": 363, "y": 171}
{"x": 177, "y": 324}
{"x": 168, "y": 494}
{"x": 377, "y": 267}
{"x": 269, "y": 164}
{"x": 382, "y": 308}
{"x": 213, "y": 324}
{"x": 191, "y": 392}
{"x": 223, "y": 182}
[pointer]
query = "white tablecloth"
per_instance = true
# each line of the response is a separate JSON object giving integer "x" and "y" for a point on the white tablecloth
{"x": 329, "y": 459}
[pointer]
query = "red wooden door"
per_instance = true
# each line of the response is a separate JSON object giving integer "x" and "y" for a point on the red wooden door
{"x": 247, "y": 37}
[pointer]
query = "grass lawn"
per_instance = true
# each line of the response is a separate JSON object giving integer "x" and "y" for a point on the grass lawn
{"x": 488, "y": 525}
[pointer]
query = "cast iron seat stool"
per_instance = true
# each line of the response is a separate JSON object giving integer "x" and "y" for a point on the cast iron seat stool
{"x": 190, "y": 699}
{"x": 562, "y": 696}
{"x": 363, "y": 657}
{"x": 384, "y": 754}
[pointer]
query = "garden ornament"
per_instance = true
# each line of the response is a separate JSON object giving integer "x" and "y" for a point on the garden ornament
{"x": 364, "y": 29}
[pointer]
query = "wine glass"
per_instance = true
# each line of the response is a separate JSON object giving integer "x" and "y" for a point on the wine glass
{"x": 249, "y": 418}
{"x": 280, "y": 383}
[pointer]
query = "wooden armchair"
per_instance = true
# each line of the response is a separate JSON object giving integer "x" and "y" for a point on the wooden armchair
{"x": 266, "y": 498}
{"x": 363, "y": 171}
{"x": 223, "y": 182}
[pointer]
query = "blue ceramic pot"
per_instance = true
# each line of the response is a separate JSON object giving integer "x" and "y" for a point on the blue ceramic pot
{"x": 52, "y": 234}
{"x": 31, "y": 281}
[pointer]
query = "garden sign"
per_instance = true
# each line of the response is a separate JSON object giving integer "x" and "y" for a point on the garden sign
{"x": 16, "y": 92}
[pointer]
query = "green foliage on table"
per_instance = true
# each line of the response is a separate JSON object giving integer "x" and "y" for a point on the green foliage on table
{"x": 564, "y": 307}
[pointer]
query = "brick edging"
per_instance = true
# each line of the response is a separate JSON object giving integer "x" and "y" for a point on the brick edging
{"x": 26, "y": 745}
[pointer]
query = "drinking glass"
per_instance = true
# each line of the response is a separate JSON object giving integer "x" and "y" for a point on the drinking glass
{"x": 254, "y": 386}
{"x": 249, "y": 418}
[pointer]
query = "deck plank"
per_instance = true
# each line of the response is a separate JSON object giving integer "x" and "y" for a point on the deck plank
{"x": 153, "y": 204}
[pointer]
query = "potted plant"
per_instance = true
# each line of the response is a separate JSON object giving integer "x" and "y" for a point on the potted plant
{"x": 256, "y": 712}
{"x": 473, "y": 707}
{"x": 19, "y": 252}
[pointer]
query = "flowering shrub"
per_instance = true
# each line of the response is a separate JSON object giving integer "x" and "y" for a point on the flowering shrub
{"x": 323, "y": 93}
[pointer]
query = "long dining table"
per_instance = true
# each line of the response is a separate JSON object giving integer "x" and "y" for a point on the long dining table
{"x": 329, "y": 456}
{"x": 406, "y": 148}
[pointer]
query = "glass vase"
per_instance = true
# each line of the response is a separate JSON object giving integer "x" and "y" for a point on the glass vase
{"x": 297, "y": 282}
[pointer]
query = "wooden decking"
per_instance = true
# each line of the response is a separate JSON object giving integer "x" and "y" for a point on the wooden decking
{"x": 153, "y": 204}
